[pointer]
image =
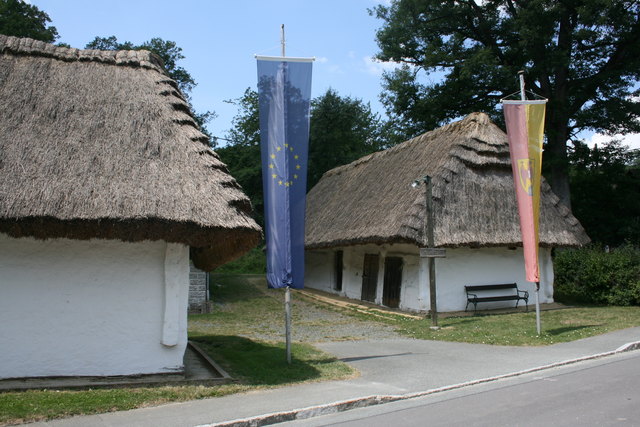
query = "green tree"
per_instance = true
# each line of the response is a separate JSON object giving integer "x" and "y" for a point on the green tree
{"x": 20, "y": 19}
{"x": 242, "y": 153}
{"x": 605, "y": 194}
{"x": 246, "y": 123}
{"x": 582, "y": 55}
{"x": 343, "y": 129}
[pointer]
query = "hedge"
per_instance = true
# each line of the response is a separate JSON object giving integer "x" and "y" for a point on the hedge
{"x": 594, "y": 276}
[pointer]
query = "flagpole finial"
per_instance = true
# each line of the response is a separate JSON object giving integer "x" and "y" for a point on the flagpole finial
{"x": 282, "y": 40}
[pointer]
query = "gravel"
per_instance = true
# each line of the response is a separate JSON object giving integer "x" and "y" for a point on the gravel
{"x": 315, "y": 322}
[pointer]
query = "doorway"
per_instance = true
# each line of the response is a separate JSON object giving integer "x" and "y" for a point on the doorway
{"x": 370, "y": 277}
{"x": 392, "y": 282}
{"x": 338, "y": 265}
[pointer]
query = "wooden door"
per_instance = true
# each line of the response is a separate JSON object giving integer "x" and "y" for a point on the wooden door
{"x": 392, "y": 282}
{"x": 338, "y": 265}
{"x": 370, "y": 277}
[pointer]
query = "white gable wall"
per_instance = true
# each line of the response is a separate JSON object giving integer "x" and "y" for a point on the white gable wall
{"x": 465, "y": 266}
{"x": 462, "y": 266}
{"x": 95, "y": 307}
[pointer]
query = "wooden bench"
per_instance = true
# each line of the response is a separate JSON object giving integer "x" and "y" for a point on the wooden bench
{"x": 510, "y": 292}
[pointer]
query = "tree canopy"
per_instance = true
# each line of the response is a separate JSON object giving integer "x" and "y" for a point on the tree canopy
{"x": 242, "y": 153}
{"x": 605, "y": 183}
{"x": 582, "y": 55}
{"x": 20, "y": 19}
{"x": 342, "y": 129}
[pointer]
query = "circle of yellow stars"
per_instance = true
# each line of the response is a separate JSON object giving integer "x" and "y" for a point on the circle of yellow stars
{"x": 294, "y": 159}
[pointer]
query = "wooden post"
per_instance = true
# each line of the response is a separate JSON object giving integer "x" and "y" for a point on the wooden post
{"x": 428, "y": 193}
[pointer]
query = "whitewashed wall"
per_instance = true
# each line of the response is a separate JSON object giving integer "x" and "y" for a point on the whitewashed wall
{"x": 462, "y": 266}
{"x": 98, "y": 307}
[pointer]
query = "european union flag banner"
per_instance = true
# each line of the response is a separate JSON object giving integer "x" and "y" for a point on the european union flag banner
{"x": 284, "y": 93}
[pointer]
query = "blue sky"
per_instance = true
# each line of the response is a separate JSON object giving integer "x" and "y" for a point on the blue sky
{"x": 220, "y": 38}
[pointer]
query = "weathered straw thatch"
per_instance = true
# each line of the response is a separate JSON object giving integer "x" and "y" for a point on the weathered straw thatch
{"x": 97, "y": 144}
{"x": 371, "y": 200}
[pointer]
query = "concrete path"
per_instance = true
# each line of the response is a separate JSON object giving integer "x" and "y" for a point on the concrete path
{"x": 390, "y": 370}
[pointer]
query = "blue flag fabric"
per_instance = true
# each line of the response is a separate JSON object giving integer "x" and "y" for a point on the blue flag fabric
{"x": 284, "y": 89}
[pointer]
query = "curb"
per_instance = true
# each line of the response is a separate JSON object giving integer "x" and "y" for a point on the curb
{"x": 346, "y": 405}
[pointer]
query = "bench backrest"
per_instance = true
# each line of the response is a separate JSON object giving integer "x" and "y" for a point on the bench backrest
{"x": 490, "y": 287}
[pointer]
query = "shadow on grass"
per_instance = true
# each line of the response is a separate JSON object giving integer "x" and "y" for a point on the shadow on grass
{"x": 567, "y": 329}
{"x": 264, "y": 364}
{"x": 230, "y": 288}
{"x": 453, "y": 321}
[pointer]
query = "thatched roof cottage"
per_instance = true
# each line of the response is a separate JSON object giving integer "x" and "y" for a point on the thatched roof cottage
{"x": 107, "y": 188}
{"x": 365, "y": 223}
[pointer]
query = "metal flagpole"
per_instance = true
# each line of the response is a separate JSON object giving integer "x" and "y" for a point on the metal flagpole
{"x": 287, "y": 294}
{"x": 538, "y": 307}
{"x": 287, "y": 321}
{"x": 524, "y": 98}
{"x": 282, "y": 39}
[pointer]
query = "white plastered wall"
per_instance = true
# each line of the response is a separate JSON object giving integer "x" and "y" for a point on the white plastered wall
{"x": 97, "y": 307}
{"x": 465, "y": 266}
{"x": 462, "y": 266}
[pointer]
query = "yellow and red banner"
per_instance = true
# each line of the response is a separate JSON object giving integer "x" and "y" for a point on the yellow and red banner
{"x": 525, "y": 131}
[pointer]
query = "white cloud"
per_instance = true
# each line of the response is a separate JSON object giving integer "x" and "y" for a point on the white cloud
{"x": 335, "y": 69}
{"x": 328, "y": 65}
{"x": 375, "y": 67}
{"x": 632, "y": 140}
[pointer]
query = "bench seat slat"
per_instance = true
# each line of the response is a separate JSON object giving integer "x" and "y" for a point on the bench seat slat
{"x": 491, "y": 287}
{"x": 516, "y": 295}
{"x": 496, "y": 298}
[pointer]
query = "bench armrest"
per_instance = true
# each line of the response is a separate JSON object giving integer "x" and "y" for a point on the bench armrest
{"x": 470, "y": 294}
{"x": 526, "y": 293}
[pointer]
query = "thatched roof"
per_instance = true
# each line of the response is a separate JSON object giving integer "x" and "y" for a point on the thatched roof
{"x": 371, "y": 200}
{"x": 97, "y": 144}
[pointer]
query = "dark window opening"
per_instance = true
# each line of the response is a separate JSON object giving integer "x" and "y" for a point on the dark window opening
{"x": 338, "y": 265}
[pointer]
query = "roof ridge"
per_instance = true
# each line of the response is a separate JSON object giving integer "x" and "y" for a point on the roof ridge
{"x": 31, "y": 47}
{"x": 457, "y": 125}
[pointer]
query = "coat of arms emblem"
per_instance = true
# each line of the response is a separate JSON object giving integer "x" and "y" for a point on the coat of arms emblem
{"x": 524, "y": 175}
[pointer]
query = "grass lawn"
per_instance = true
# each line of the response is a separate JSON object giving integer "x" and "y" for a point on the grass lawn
{"x": 519, "y": 329}
{"x": 256, "y": 364}
{"x": 245, "y": 312}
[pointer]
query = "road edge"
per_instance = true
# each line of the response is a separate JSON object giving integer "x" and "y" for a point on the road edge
{"x": 361, "y": 402}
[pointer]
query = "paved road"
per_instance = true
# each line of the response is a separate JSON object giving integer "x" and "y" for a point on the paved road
{"x": 599, "y": 392}
{"x": 397, "y": 369}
